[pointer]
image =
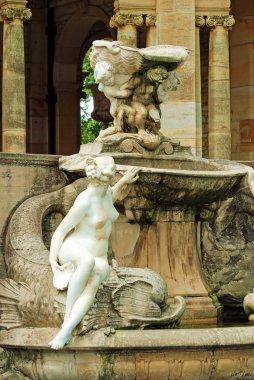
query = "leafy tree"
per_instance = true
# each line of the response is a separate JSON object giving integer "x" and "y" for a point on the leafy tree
{"x": 90, "y": 128}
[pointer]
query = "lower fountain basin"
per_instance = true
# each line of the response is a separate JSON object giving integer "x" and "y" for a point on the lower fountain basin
{"x": 188, "y": 354}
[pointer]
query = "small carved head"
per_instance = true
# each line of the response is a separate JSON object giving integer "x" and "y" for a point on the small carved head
{"x": 101, "y": 168}
{"x": 157, "y": 74}
{"x": 104, "y": 73}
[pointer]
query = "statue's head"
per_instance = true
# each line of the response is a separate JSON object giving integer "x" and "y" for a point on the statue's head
{"x": 100, "y": 168}
{"x": 104, "y": 73}
{"x": 156, "y": 74}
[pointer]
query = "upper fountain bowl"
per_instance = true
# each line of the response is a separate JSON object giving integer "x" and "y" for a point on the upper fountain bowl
{"x": 184, "y": 181}
{"x": 172, "y": 180}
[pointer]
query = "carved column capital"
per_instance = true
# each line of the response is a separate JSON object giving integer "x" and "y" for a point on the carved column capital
{"x": 226, "y": 21}
{"x": 123, "y": 19}
{"x": 9, "y": 14}
{"x": 200, "y": 21}
{"x": 150, "y": 20}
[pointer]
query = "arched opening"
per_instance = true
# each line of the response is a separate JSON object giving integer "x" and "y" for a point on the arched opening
{"x": 75, "y": 40}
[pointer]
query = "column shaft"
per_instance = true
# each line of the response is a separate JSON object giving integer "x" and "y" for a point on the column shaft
{"x": 151, "y": 30}
{"x": 219, "y": 89}
{"x": 14, "y": 103}
{"x": 13, "y": 96}
{"x": 128, "y": 34}
{"x": 200, "y": 22}
{"x": 126, "y": 25}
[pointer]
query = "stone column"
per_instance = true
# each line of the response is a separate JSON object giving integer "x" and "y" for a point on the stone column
{"x": 13, "y": 97}
{"x": 126, "y": 25}
{"x": 67, "y": 114}
{"x": 151, "y": 30}
{"x": 219, "y": 87}
{"x": 200, "y": 23}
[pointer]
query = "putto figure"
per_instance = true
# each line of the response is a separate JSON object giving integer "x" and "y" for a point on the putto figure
{"x": 135, "y": 81}
{"x": 79, "y": 246}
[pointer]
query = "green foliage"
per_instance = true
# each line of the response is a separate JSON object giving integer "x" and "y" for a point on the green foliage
{"x": 90, "y": 128}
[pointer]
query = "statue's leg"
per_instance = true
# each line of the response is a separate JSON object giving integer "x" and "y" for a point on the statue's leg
{"x": 73, "y": 251}
{"x": 79, "y": 310}
{"x": 78, "y": 283}
{"x": 82, "y": 304}
{"x": 140, "y": 116}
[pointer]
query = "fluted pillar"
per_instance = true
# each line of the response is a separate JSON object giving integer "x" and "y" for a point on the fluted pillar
{"x": 13, "y": 96}
{"x": 126, "y": 25}
{"x": 151, "y": 30}
{"x": 200, "y": 23}
{"x": 219, "y": 87}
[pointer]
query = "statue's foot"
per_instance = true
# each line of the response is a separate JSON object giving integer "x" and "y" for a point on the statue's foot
{"x": 60, "y": 340}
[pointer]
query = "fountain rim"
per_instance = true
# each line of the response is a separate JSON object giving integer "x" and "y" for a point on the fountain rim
{"x": 187, "y": 173}
{"x": 150, "y": 339}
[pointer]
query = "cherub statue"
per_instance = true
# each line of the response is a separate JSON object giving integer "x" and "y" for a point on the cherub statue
{"x": 135, "y": 81}
{"x": 79, "y": 246}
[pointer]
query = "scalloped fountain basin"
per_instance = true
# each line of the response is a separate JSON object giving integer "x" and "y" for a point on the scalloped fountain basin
{"x": 186, "y": 181}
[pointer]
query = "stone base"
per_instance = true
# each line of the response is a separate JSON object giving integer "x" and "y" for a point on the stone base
{"x": 217, "y": 353}
{"x": 199, "y": 310}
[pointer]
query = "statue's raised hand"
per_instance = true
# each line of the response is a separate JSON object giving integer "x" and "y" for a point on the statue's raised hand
{"x": 130, "y": 176}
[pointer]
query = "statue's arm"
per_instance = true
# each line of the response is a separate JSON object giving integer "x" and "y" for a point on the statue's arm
{"x": 131, "y": 84}
{"x": 117, "y": 93}
{"x": 129, "y": 177}
{"x": 70, "y": 221}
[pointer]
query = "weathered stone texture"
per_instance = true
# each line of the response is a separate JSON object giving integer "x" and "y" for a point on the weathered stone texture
{"x": 227, "y": 249}
{"x": 14, "y": 111}
{"x": 23, "y": 176}
{"x": 179, "y": 113}
{"x": 198, "y": 354}
{"x": 242, "y": 81}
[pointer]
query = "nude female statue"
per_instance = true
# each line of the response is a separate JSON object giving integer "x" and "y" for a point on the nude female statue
{"x": 81, "y": 240}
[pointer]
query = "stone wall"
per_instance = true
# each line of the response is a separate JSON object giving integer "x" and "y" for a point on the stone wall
{"x": 242, "y": 80}
{"x": 23, "y": 176}
{"x": 176, "y": 26}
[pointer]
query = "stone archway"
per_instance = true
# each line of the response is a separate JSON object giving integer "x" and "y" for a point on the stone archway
{"x": 79, "y": 31}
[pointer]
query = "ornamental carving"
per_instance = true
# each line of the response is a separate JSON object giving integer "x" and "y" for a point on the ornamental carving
{"x": 150, "y": 20}
{"x": 200, "y": 21}
{"x": 9, "y": 14}
{"x": 123, "y": 19}
{"x": 225, "y": 21}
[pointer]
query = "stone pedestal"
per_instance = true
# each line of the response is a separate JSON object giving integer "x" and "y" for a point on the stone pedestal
{"x": 170, "y": 245}
{"x": 219, "y": 87}
{"x": 13, "y": 97}
{"x": 173, "y": 250}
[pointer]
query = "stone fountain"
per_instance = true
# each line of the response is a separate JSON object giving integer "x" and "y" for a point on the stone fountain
{"x": 187, "y": 220}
